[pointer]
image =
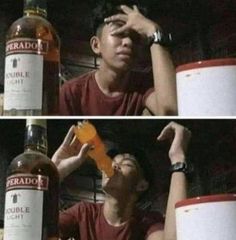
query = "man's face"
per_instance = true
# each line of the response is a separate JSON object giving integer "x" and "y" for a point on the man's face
{"x": 117, "y": 51}
{"x": 126, "y": 177}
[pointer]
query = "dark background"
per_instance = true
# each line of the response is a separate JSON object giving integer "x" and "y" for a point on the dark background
{"x": 212, "y": 151}
{"x": 201, "y": 29}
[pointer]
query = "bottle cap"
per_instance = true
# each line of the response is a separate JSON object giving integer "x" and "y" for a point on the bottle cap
{"x": 38, "y": 6}
{"x": 34, "y": 121}
{"x": 80, "y": 124}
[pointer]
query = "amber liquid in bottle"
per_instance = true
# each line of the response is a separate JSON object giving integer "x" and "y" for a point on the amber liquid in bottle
{"x": 32, "y": 64}
{"x": 31, "y": 206}
{"x": 86, "y": 133}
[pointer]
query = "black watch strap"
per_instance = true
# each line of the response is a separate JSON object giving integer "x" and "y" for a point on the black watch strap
{"x": 181, "y": 167}
{"x": 159, "y": 37}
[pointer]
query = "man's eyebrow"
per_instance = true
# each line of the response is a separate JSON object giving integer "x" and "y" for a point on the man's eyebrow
{"x": 132, "y": 159}
{"x": 129, "y": 158}
{"x": 120, "y": 157}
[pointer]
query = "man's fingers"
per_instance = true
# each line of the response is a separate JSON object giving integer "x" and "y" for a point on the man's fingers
{"x": 84, "y": 150}
{"x": 69, "y": 136}
{"x": 75, "y": 142}
{"x": 126, "y": 9}
{"x": 174, "y": 131}
{"x": 135, "y": 8}
{"x": 120, "y": 30}
{"x": 81, "y": 156}
{"x": 166, "y": 133}
{"x": 116, "y": 18}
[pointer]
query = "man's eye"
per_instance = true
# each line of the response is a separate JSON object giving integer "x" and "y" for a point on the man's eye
{"x": 128, "y": 164}
{"x": 135, "y": 37}
{"x": 115, "y": 26}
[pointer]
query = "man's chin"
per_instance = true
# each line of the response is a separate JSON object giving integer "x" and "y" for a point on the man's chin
{"x": 124, "y": 66}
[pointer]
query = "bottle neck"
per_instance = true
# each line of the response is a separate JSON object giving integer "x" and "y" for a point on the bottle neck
{"x": 36, "y": 139}
{"x": 35, "y": 7}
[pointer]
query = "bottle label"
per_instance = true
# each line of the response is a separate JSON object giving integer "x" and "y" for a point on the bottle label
{"x": 23, "y": 87}
{"x": 26, "y": 45}
{"x": 24, "y": 206}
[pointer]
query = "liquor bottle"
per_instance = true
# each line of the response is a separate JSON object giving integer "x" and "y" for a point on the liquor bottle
{"x": 32, "y": 63}
{"x": 86, "y": 133}
{"x": 31, "y": 201}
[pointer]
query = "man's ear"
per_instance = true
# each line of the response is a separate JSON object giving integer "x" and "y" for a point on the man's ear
{"x": 142, "y": 185}
{"x": 95, "y": 45}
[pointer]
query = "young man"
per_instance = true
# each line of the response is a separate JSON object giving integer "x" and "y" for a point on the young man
{"x": 118, "y": 218}
{"x": 113, "y": 89}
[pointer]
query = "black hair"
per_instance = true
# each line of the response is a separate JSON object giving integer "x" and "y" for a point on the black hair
{"x": 107, "y": 8}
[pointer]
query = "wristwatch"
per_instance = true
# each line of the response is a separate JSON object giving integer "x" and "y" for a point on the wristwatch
{"x": 181, "y": 167}
{"x": 159, "y": 37}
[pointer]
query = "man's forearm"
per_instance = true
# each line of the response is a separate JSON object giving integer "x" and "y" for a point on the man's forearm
{"x": 164, "y": 80}
{"x": 177, "y": 192}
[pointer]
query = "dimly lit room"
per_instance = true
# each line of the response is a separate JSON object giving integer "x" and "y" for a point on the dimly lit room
{"x": 211, "y": 154}
{"x": 117, "y": 120}
{"x": 200, "y": 31}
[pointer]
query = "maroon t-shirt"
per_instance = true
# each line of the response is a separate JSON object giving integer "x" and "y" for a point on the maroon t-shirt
{"x": 85, "y": 221}
{"x": 82, "y": 96}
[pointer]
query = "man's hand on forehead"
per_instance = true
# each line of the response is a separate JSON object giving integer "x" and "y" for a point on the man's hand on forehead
{"x": 115, "y": 25}
{"x": 123, "y": 18}
{"x": 120, "y": 17}
{"x": 132, "y": 19}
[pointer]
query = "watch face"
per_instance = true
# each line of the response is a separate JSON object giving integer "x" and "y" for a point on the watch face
{"x": 157, "y": 37}
{"x": 160, "y": 38}
{"x": 179, "y": 166}
{"x": 182, "y": 167}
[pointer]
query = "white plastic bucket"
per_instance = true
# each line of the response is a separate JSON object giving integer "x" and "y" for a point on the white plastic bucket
{"x": 207, "y": 88}
{"x": 207, "y": 218}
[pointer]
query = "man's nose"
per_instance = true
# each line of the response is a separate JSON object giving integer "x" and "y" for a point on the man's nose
{"x": 127, "y": 42}
{"x": 116, "y": 166}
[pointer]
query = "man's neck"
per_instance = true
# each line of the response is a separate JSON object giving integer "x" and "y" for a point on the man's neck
{"x": 118, "y": 212}
{"x": 110, "y": 82}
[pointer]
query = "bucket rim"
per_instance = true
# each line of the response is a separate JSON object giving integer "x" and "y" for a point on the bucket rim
{"x": 206, "y": 63}
{"x": 206, "y": 199}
